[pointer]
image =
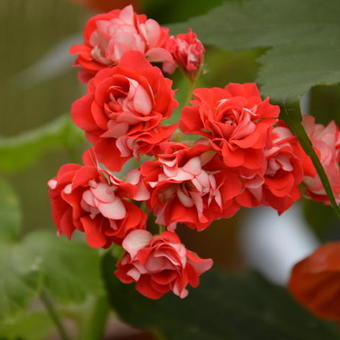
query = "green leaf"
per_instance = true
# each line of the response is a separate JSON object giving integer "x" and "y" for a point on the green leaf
{"x": 22, "y": 150}
{"x": 225, "y": 306}
{"x": 70, "y": 270}
{"x": 302, "y": 37}
{"x": 10, "y": 214}
{"x": 20, "y": 278}
{"x": 321, "y": 219}
{"x": 30, "y": 326}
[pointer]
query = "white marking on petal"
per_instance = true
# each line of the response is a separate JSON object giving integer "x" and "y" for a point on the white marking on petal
{"x": 114, "y": 210}
{"x": 136, "y": 240}
{"x": 68, "y": 189}
{"x": 52, "y": 183}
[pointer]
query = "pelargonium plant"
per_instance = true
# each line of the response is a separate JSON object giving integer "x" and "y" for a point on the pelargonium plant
{"x": 229, "y": 149}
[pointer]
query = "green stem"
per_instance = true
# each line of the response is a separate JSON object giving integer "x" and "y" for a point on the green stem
{"x": 192, "y": 84}
{"x": 294, "y": 122}
{"x": 47, "y": 302}
{"x": 97, "y": 324}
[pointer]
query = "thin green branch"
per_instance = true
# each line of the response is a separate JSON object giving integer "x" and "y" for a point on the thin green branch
{"x": 97, "y": 324}
{"x": 47, "y": 302}
{"x": 293, "y": 118}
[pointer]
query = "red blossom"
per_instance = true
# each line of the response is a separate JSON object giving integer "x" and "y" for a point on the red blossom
{"x": 187, "y": 51}
{"x": 236, "y": 121}
{"x": 123, "y": 109}
{"x": 326, "y": 142}
{"x": 95, "y": 202}
{"x": 107, "y": 5}
{"x": 108, "y": 36}
{"x": 158, "y": 264}
{"x": 190, "y": 185}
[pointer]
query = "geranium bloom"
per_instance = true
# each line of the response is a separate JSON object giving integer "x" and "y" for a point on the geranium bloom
{"x": 123, "y": 109}
{"x": 326, "y": 142}
{"x": 235, "y": 120}
{"x": 314, "y": 282}
{"x": 187, "y": 51}
{"x": 285, "y": 165}
{"x": 108, "y": 36}
{"x": 190, "y": 185}
{"x": 284, "y": 171}
{"x": 107, "y": 5}
{"x": 93, "y": 201}
{"x": 159, "y": 264}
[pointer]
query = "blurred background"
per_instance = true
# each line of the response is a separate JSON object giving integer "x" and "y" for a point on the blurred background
{"x": 38, "y": 86}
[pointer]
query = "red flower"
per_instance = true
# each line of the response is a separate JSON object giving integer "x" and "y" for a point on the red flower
{"x": 107, "y": 5}
{"x": 326, "y": 142}
{"x": 235, "y": 120}
{"x": 284, "y": 171}
{"x": 159, "y": 264}
{"x": 285, "y": 165}
{"x": 93, "y": 201}
{"x": 314, "y": 282}
{"x": 190, "y": 185}
{"x": 108, "y": 36}
{"x": 123, "y": 109}
{"x": 187, "y": 51}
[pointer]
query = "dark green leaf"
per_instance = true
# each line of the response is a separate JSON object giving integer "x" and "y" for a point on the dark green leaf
{"x": 225, "y": 306}
{"x": 22, "y": 150}
{"x": 10, "y": 214}
{"x": 303, "y": 37}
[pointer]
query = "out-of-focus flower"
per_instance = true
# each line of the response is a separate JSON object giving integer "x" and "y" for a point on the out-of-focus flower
{"x": 123, "y": 109}
{"x": 108, "y": 36}
{"x": 236, "y": 121}
{"x": 187, "y": 51}
{"x": 158, "y": 264}
{"x": 190, "y": 185}
{"x": 314, "y": 282}
{"x": 107, "y": 5}
{"x": 93, "y": 201}
{"x": 326, "y": 142}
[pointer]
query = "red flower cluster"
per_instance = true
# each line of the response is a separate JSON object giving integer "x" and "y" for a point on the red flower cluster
{"x": 245, "y": 156}
{"x": 107, "y": 37}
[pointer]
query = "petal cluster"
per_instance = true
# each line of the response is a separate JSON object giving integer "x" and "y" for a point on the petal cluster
{"x": 190, "y": 185}
{"x": 96, "y": 203}
{"x": 108, "y": 36}
{"x": 188, "y": 52}
{"x": 123, "y": 109}
{"x": 235, "y": 120}
{"x": 158, "y": 264}
{"x": 326, "y": 142}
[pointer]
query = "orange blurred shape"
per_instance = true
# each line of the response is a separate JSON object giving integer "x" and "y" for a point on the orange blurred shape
{"x": 107, "y": 5}
{"x": 315, "y": 282}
